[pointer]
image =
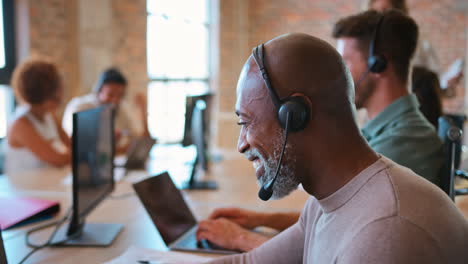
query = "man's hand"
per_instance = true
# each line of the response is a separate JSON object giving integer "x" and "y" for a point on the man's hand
{"x": 455, "y": 80}
{"x": 245, "y": 218}
{"x": 229, "y": 235}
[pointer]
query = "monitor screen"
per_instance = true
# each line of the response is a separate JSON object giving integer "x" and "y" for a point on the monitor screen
{"x": 93, "y": 155}
{"x": 3, "y": 258}
{"x": 2, "y": 38}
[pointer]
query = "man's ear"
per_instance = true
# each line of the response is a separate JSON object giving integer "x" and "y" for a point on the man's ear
{"x": 303, "y": 109}
{"x": 389, "y": 69}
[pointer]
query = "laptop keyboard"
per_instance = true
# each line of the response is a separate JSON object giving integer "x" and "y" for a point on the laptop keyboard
{"x": 190, "y": 241}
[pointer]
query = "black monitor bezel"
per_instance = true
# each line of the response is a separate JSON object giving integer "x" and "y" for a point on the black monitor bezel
{"x": 3, "y": 256}
{"x": 78, "y": 219}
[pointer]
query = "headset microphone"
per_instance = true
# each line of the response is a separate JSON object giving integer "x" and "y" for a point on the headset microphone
{"x": 292, "y": 114}
{"x": 362, "y": 78}
{"x": 266, "y": 191}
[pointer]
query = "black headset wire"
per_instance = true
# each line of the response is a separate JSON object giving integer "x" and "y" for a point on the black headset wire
{"x": 362, "y": 78}
{"x": 259, "y": 57}
{"x": 36, "y": 247}
{"x": 286, "y": 132}
{"x": 266, "y": 191}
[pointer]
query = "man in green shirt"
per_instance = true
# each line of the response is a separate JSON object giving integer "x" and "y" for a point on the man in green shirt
{"x": 377, "y": 48}
{"x": 379, "y": 60}
{"x": 402, "y": 133}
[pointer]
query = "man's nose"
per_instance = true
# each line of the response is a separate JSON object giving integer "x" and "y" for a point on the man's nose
{"x": 242, "y": 144}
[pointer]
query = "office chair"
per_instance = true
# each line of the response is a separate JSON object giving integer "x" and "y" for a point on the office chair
{"x": 450, "y": 132}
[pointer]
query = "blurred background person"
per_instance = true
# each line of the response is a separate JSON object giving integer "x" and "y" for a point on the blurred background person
{"x": 111, "y": 88}
{"x": 425, "y": 54}
{"x": 426, "y": 87}
{"x": 35, "y": 138}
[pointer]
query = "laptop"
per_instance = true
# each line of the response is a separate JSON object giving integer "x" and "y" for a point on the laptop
{"x": 171, "y": 215}
{"x": 3, "y": 259}
{"x": 138, "y": 153}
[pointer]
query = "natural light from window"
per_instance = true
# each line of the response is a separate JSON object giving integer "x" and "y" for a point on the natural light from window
{"x": 5, "y": 108}
{"x": 177, "y": 50}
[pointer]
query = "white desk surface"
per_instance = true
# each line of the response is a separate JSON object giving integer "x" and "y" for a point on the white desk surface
{"x": 237, "y": 187}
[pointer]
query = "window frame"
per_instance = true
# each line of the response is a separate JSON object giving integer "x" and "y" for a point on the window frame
{"x": 208, "y": 79}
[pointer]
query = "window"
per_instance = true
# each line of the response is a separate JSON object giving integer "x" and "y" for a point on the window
{"x": 7, "y": 62}
{"x": 178, "y": 35}
{"x": 6, "y": 107}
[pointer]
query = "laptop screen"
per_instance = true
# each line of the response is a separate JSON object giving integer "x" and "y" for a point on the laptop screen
{"x": 166, "y": 206}
{"x": 139, "y": 150}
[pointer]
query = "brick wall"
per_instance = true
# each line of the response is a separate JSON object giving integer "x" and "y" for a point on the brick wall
{"x": 129, "y": 50}
{"x": 443, "y": 23}
{"x": 86, "y": 36}
{"x": 53, "y": 33}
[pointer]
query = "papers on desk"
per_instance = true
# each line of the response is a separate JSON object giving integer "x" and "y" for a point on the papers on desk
{"x": 18, "y": 210}
{"x": 455, "y": 68}
{"x": 143, "y": 255}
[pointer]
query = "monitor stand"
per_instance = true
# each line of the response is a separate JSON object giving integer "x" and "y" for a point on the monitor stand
{"x": 193, "y": 184}
{"x": 92, "y": 235}
{"x": 201, "y": 185}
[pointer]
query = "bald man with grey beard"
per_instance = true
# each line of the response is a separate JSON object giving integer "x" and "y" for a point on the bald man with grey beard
{"x": 363, "y": 207}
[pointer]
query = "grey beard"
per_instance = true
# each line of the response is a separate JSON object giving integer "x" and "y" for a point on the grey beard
{"x": 287, "y": 180}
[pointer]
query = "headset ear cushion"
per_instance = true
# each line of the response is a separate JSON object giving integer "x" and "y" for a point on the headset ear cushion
{"x": 297, "y": 107}
{"x": 377, "y": 63}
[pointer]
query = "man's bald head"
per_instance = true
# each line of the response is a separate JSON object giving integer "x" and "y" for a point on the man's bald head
{"x": 300, "y": 63}
{"x": 304, "y": 66}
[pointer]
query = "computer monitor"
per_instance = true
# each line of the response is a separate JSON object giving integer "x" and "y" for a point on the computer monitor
{"x": 190, "y": 103}
{"x": 3, "y": 258}
{"x": 198, "y": 136}
{"x": 92, "y": 164}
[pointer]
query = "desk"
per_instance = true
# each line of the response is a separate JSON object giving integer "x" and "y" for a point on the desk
{"x": 237, "y": 187}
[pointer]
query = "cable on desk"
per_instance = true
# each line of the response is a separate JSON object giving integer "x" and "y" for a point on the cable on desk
{"x": 57, "y": 223}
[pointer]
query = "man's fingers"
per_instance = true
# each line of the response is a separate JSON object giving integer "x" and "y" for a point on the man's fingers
{"x": 204, "y": 225}
{"x": 225, "y": 212}
{"x": 205, "y": 234}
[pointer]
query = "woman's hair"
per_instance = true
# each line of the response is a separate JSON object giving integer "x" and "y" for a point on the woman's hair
{"x": 36, "y": 81}
{"x": 111, "y": 75}
{"x": 426, "y": 86}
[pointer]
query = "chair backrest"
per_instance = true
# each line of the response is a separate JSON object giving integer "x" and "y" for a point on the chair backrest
{"x": 450, "y": 132}
{"x": 447, "y": 121}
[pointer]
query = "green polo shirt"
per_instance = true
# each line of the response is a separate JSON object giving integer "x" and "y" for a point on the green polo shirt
{"x": 403, "y": 134}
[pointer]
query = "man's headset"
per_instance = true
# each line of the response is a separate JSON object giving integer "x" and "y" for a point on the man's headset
{"x": 292, "y": 113}
{"x": 375, "y": 63}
